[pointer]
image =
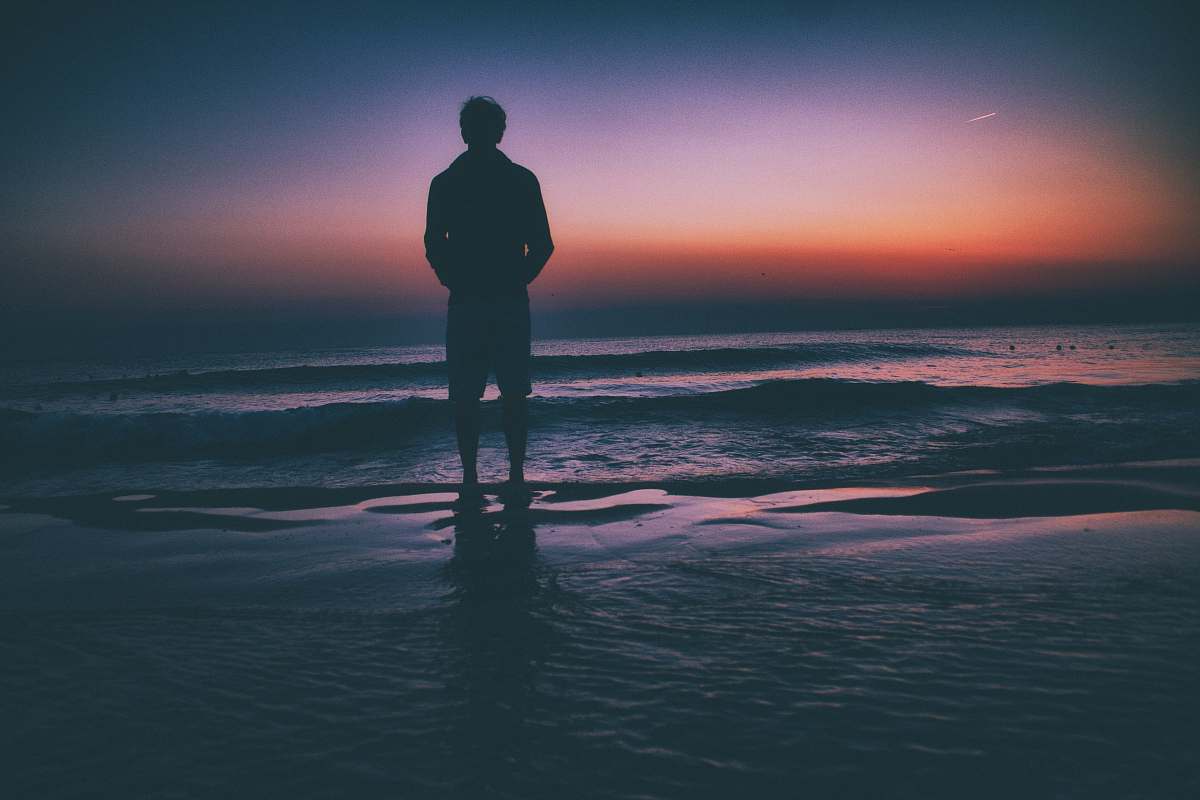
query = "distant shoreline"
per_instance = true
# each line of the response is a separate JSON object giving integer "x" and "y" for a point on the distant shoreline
{"x": 203, "y": 335}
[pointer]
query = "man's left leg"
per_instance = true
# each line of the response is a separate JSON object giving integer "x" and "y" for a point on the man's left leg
{"x": 467, "y": 364}
{"x": 466, "y": 430}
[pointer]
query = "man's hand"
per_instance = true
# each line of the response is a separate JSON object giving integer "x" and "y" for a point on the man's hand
{"x": 535, "y": 259}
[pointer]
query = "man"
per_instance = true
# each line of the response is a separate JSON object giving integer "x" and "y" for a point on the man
{"x": 487, "y": 238}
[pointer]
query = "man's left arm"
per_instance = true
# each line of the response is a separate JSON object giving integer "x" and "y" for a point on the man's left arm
{"x": 436, "y": 244}
{"x": 538, "y": 243}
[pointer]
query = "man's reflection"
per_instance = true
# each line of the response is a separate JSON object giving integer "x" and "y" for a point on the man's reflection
{"x": 500, "y": 634}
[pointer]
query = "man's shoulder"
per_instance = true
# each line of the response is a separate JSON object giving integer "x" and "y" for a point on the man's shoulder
{"x": 448, "y": 174}
{"x": 524, "y": 174}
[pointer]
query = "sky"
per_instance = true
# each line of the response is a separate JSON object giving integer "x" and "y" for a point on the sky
{"x": 228, "y": 171}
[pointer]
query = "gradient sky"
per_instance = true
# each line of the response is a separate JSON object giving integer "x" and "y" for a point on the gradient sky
{"x": 276, "y": 160}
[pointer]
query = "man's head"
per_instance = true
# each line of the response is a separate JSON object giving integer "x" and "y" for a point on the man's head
{"x": 482, "y": 121}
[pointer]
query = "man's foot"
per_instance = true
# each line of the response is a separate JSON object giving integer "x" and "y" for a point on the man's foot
{"x": 470, "y": 496}
{"x": 516, "y": 494}
{"x": 472, "y": 489}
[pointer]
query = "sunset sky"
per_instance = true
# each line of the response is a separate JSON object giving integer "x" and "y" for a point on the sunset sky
{"x": 232, "y": 163}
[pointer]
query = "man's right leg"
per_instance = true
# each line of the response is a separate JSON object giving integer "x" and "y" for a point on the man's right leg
{"x": 511, "y": 342}
{"x": 466, "y": 428}
{"x": 516, "y": 432}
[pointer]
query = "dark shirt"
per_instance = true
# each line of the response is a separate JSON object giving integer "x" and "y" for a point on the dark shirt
{"x": 486, "y": 233}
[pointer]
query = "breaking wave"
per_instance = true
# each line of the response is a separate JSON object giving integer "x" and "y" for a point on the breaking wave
{"x": 53, "y": 438}
{"x": 544, "y": 367}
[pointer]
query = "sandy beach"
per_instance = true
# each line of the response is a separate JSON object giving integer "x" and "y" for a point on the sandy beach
{"x": 1028, "y": 633}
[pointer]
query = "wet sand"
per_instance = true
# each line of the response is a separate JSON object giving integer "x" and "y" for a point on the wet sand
{"x": 1033, "y": 633}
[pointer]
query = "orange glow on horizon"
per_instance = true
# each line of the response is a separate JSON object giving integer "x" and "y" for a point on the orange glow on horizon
{"x": 850, "y": 209}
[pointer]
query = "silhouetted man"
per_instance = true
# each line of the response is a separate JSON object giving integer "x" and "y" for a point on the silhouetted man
{"x": 487, "y": 237}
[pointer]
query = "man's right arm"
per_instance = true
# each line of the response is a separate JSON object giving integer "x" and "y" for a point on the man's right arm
{"x": 537, "y": 238}
{"x": 436, "y": 244}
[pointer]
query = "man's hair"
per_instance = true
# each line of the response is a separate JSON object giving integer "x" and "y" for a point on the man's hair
{"x": 482, "y": 120}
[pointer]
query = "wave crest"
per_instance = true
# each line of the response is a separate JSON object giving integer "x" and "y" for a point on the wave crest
{"x": 80, "y": 439}
{"x": 544, "y": 367}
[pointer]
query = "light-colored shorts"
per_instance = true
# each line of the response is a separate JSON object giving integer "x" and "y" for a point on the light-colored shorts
{"x": 482, "y": 335}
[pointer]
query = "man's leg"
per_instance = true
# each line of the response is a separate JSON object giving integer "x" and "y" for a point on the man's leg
{"x": 516, "y": 433}
{"x": 466, "y": 427}
{"x": 467, "y": 362}
{"x": 511, "y": 346}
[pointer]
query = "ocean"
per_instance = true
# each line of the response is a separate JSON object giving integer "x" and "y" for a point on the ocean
{"x": 894, "y": 563}
{"x": 832, "y": 406}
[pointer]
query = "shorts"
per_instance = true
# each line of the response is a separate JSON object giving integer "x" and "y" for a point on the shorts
{"x": 487, "y": 334}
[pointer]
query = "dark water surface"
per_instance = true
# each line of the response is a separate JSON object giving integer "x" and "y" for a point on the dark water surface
{"x": 645, "y": 645}
{"x": 804, "y": 406}
{"x": 171, "y": 628}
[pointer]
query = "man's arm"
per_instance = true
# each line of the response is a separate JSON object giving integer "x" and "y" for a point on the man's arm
{"x": 436, "y": 245}
{"x": 538, "y": 243}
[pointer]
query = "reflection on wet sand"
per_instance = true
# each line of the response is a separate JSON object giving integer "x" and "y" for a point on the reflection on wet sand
{"x": 498, "y": 636}
{"x": 389, "y": 645}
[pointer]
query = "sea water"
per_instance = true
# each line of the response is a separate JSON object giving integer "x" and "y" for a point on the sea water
{"x": 364, "y": 642}
{"x": 827, "y": 405}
